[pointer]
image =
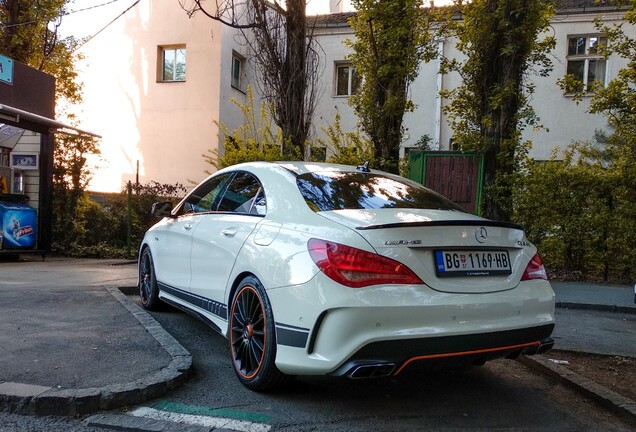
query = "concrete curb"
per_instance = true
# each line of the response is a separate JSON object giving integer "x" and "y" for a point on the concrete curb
{"x": 617, "y": 403}
{"x": 38, "y": 400}
{"x": 596, "y": 307}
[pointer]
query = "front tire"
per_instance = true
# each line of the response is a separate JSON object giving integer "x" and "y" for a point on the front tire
{"x": 148, "y": 289}
{"x": 253, "y": 337}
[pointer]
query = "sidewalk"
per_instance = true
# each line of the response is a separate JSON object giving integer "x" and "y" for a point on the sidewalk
{"x": 583, "y": 321}
{"x": 612, "y": 298}
{"x": 74, "y": 344}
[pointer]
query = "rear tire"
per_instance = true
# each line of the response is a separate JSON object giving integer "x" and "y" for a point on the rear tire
{"x": 253, "y": 338}
{"x": 148, "y": 289}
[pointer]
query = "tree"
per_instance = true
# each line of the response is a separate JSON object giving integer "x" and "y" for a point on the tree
{"x": 392, "y": 37}
{"x": 488, "y": 111}
{"x": 285, "y": 53}
{"x": 28, "y": 34}
{"x": 254, "y": 140}
{"x": 70, "y": 178}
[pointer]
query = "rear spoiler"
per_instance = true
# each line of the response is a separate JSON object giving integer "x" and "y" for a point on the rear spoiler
{"x": 486, "y": 223}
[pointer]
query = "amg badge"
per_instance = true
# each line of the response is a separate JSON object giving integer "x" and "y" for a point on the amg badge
{"x": 402, "y": 242}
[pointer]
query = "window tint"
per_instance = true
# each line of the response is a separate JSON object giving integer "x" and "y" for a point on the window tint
{"x": 241, "y": 194}
{"x": 327, "y": 191}
{"x": 205, "y": 197}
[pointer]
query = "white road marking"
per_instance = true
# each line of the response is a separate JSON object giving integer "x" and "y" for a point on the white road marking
{"x": 211, "y": 422}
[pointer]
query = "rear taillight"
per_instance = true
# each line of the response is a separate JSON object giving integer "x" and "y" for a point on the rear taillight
{"x": 535, "y": 269}
{"x": 356, "y": 268}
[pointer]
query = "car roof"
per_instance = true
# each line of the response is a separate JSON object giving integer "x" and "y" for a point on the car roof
{"x": 296, "y": 167}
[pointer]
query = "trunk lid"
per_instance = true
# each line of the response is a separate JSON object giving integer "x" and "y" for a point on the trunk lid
{"x": 439, "y": 245}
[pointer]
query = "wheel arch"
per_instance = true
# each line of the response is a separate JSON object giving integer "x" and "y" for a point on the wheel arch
{"x": 237, "y": 280}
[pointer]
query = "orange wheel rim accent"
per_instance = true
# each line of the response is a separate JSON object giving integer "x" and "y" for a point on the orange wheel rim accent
{"x": 248, "y": 332}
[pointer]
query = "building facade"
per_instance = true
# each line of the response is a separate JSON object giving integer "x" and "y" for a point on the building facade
{"x": 157, "y": 83}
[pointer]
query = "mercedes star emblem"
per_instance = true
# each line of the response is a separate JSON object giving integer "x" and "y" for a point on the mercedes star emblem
{"x": 481, "y": 234}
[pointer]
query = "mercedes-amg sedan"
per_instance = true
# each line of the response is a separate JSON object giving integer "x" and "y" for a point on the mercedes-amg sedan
{"x": 311, "y": 268}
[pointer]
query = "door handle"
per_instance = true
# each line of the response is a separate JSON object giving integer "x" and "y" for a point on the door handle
{"x": 187, "y": 227}
{"x": 229, "y": 232}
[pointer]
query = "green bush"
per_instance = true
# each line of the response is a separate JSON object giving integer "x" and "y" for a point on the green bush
{"x": 101, "y": 229}
{"x": 578, "y": 214}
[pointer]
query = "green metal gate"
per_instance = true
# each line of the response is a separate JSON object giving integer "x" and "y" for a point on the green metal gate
{"x": 457, "y": 175}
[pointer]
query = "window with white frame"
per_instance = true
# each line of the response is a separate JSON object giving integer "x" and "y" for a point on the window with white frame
{"x": 238, "y": 69}
{"x": 347, "y": 80}
{"x": 585, "y": 60}
{"x": 173, "y": 63}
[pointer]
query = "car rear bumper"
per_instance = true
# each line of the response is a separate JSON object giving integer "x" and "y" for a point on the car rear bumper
{"x": 445, "y": 350}
{"x": 408, "y": 326}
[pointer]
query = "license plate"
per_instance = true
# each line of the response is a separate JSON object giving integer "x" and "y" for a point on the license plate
{"x": 472, "y": 263}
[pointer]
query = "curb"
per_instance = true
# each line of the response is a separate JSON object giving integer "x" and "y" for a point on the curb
{"x": 617, "y": 403}
{"x": 42, "y": 401}
{"x": 596, "y": 307}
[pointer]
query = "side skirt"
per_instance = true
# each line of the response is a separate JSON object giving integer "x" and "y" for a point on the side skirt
{"x": 193, "y": 313}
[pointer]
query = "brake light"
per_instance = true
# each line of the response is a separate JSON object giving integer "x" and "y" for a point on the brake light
{"x": 535, "y": 269}
{"x": 356, "y": 268}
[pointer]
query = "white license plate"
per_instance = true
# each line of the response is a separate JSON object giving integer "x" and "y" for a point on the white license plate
{"x": 472, "y": 263}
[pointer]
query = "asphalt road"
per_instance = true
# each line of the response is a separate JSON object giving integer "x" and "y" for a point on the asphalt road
{"x": 503, "y": 395}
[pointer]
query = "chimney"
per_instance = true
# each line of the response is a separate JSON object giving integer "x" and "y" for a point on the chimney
{"x": 335, "y": 6}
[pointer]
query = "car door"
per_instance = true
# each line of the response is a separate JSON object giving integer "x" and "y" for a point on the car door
{"x": 173, "y": 241}
{"x": 218, "y": 238}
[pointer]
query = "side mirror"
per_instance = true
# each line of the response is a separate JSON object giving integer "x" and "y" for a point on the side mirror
{"x": 162, "y": 209}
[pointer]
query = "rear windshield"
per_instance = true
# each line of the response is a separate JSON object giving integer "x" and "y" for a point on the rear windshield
{"x": 325, "y": 191}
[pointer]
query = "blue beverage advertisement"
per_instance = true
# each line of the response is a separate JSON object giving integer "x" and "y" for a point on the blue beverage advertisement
{"x": 18, "y": 223}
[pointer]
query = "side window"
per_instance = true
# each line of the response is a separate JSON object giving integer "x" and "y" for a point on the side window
{"x": 243, "y": 195}
{"x": 205, "y": 197}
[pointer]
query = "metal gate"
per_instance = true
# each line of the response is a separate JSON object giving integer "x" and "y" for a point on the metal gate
{"x": 456, "y": 175}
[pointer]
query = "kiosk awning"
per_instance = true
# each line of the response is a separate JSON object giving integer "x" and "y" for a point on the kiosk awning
{"x": 15, "y": 115}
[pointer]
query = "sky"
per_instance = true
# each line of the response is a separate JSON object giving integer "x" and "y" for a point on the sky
{"x": 86, "y": 17}
{"x": 89, "y": 16}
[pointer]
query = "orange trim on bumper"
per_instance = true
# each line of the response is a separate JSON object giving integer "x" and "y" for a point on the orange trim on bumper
{"x": 464, "y": 353}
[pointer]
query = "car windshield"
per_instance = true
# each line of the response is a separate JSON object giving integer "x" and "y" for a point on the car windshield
{"x": 331, "y": 190}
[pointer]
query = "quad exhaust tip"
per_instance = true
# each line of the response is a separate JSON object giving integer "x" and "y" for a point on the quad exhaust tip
{"x": 376, "y": 370}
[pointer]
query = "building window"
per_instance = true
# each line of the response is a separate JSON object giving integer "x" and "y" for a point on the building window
{"x": 584, "y": 60}
{"x": 238, "y": 70}
{"x": 347, "y": 80}
{"x": 173, "y": 63}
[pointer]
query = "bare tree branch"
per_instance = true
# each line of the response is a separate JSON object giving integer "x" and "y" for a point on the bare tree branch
{"x": 284, "y": 52}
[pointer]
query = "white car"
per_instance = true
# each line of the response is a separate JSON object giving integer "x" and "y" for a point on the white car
{"x": 311, "y": 268}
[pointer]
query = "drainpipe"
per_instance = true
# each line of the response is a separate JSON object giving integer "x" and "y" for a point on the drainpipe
{"x": 438, "y": 99}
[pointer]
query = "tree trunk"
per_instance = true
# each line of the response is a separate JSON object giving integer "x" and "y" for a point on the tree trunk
{"x": 294, "y": 126}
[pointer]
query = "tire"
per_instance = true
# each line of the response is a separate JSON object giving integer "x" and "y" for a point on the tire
{"x": 148, "y": 289}
{"x": 253, "y": 338}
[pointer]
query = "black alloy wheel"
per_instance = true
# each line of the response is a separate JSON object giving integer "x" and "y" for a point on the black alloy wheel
{"x": 148, "y": 289}
{"x": 252, "y": 337}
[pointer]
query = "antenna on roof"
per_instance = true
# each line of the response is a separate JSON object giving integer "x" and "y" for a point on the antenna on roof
{"x": 364, "y": 167}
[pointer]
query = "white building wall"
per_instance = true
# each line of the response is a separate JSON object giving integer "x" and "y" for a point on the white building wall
{"x": 328, "y": 104}
{"x": 166, "y": 126}
{"x": 564, "y": 122}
